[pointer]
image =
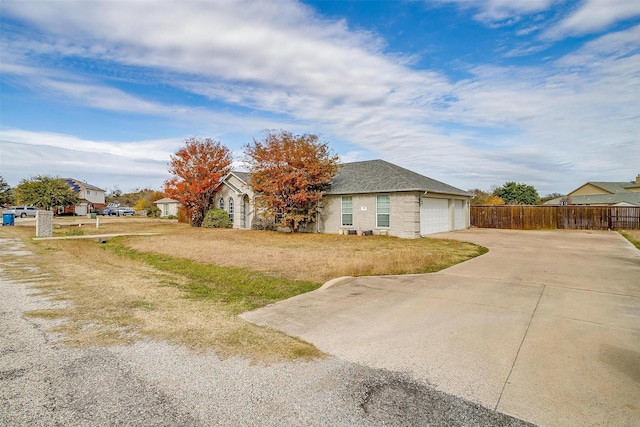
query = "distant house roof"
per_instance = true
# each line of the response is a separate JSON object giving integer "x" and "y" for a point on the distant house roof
{"x": 166, "y": 200}
{"x": 615, "y": 187}
{"x": 619, "y": 193}
{"x": 629, "y": 198}
{"x": 379, "y": 176}
{"x": 602, "y": 199}
{"x": 76, "y": 185}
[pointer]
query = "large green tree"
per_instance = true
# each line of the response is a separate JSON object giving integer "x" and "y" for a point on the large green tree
{"x": 45, "y": 191}
{"x": 6, "y": 194}
{"x": 288, "y": 174}
{"x": 198, "y": 168}
{"x": 517, "y": 194}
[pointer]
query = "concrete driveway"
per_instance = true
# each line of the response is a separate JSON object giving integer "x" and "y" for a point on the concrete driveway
{"x": 545, "y": 327}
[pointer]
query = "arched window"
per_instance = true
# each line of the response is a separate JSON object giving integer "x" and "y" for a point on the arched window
{"x": 231, "y": 209}
{"x": 221, "y": 203}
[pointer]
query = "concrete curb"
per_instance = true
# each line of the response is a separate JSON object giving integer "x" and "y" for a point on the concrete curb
{"x": 100, "y": 238}
{"x": 337, "y": 282}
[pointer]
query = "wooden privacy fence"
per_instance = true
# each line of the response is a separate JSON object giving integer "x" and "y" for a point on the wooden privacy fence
{"x": 522, "y": 217}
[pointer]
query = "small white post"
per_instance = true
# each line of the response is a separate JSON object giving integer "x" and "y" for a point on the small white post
{"x": 97, "y": 222}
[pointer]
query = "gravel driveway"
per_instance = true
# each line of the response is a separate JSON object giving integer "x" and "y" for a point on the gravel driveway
{"x": 43, "y": 383}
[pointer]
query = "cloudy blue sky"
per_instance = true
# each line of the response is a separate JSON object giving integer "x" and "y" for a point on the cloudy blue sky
{"x": 470, "y": 92}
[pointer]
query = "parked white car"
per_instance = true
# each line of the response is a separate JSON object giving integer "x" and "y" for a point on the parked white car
{"x": 22, "y": 211}
{"x": 124, "y": 211}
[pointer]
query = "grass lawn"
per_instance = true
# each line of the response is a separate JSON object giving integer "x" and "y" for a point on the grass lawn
{"x": 633, "y": 236}
{"x": 186, "y": 285}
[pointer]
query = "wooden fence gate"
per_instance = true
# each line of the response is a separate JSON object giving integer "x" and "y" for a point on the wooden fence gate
{"x": 523, "y": 217}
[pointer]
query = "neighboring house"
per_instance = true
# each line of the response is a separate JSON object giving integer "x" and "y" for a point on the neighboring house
{"x": 91, "y": 198}
{"x": 386, "y": 199}
{"x": 604, "y": 194}
{"x": 234, "y": 195}
{"x": 374, "y": 196}
{"x": 167, "y": 206}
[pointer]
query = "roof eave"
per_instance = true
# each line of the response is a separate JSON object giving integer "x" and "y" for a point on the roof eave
{"x": 411, "y": 190}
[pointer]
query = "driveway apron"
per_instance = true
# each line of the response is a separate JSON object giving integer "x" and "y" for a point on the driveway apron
{"x": 544, "y": 327}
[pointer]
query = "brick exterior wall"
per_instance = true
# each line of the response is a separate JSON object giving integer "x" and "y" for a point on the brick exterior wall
{"x": 404, "y": 219}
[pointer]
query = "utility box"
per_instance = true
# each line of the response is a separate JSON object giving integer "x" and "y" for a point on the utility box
{"x": 8, "y": 219}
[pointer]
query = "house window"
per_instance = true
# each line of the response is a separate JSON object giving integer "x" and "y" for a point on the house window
{"x": 231, "y": 209}
{"x": 383, "y": 210}
{"x": 166, "y": 209}
{"x": 347, "y": 211}
{"x": 88, "y": 192}
{"x": 221, "y": 203}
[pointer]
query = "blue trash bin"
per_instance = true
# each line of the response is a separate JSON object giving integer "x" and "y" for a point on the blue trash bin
{"x": 7, "y": 219}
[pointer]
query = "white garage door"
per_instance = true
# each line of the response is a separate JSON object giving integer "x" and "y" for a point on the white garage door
{"x": 434, "y": 216}
{"x": 460, "y": 223}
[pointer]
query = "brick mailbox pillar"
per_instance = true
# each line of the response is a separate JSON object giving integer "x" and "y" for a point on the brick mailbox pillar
{"x": 44, "y": 223}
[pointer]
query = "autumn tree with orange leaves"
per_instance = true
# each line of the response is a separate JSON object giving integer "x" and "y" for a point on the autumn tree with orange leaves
{"x": 198, "y": 168}
{"x": 288, "y": 174}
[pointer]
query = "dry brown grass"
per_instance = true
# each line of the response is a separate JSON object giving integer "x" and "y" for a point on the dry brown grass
{"x": 110, "y": 225}
{"x": 314, "y": 257}
{"x": 117, "y": 300}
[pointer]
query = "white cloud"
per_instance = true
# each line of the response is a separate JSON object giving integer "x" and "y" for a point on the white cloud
{"x": 103, "y": 169}
{"x": 545, "y": 124}
{"x": 508, "y": 11}
{"x": 577, "y": 118}
{"x": 593, "y": 16}
{"x": 589, "y": 16}
{"x": 157, "y": 150}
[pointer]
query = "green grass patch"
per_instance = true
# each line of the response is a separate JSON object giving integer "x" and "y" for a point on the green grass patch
{"x": 239, "y": 289}
{"x": 634, "y": 239}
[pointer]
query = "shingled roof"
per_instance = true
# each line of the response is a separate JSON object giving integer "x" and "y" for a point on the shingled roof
{"x": 619, "y": 192}
{"x": 614, "y": 187}
{"x": 600, "y": 199}
{"x": 242, "y": 175}
{"x": 378, "y": 176}
{"x": 76, "y": 184}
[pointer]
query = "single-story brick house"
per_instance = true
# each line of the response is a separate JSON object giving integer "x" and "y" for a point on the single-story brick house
{"x": 387, "y": 199}
{"x": 374, "y": 195}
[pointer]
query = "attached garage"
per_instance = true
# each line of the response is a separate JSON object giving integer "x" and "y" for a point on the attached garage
{"x": 438, "y": 215}
{"x": 459, "y": 215}
{"x": 434, "y": 216}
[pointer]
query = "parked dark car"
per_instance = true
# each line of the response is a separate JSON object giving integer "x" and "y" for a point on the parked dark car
{"x": 108, "y": 211}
